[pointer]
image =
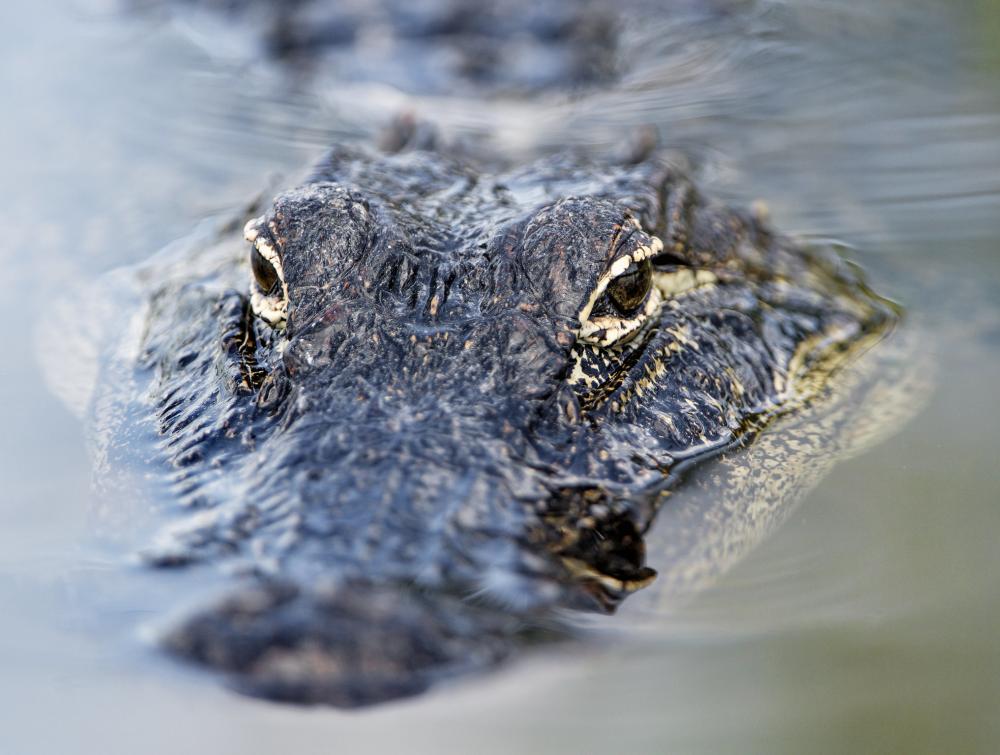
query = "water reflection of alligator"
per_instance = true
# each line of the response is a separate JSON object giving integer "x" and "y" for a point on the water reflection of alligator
{"x": 450, "y": 401}
{"x": 500, "y": 47}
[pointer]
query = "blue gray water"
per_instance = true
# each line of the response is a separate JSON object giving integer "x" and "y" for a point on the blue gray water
{"x": 867, "y": 623}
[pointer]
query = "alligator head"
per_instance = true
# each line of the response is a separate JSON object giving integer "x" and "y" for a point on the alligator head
{"x": 448, "y": 403}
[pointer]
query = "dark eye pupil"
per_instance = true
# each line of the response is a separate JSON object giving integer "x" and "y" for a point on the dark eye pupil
{"x": 629, "y": 289}
{"x": 263, "y": 271}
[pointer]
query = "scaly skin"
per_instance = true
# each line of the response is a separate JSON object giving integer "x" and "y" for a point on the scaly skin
{"x": 451, "y": 400}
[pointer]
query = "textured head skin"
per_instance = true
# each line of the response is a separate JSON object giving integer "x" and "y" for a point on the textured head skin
{"x": 464, "y": 395}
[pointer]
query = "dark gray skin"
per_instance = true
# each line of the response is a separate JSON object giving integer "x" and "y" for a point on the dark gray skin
{"x": 449, "y": 411}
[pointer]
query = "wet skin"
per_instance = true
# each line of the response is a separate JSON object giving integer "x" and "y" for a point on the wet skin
{"x": 447, "y": 401}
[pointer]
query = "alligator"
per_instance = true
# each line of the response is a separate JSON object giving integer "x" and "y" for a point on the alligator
{"x": 426, "y": 408}
{"x": 422, "y": 409}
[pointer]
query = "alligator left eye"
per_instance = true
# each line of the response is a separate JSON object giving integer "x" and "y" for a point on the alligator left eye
{"x": 629, "y": 289}
{"x": 263, "y": 271}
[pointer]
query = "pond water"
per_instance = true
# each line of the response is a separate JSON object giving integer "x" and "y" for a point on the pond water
{"x": 866, "y": 623}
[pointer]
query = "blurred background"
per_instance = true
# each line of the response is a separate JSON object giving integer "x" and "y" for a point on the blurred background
{"x": 868, "y": 623}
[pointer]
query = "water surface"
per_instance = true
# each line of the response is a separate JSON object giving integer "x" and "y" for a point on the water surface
{"x": 867, "y": 623}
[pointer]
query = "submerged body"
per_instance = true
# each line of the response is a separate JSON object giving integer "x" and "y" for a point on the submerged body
{"x": 451, "y": 401}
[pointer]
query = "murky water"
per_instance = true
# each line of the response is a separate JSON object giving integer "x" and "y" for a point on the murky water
{"x": 867, "y": 623}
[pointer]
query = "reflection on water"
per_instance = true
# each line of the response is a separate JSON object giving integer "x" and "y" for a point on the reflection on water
{"x": 865, "y": 624}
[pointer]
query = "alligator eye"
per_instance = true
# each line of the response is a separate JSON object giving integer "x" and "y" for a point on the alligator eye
{"x": 630, "y": 289}
{"x": 263, "y": 271}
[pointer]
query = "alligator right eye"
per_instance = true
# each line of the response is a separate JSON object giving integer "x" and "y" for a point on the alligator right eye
{"x": 630, "y": 289}
{"x": 263, "y": 271}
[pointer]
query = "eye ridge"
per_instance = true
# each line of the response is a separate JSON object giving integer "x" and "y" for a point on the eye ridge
{"x": 630, "y": 289}
{"x": 263, "y": 271}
